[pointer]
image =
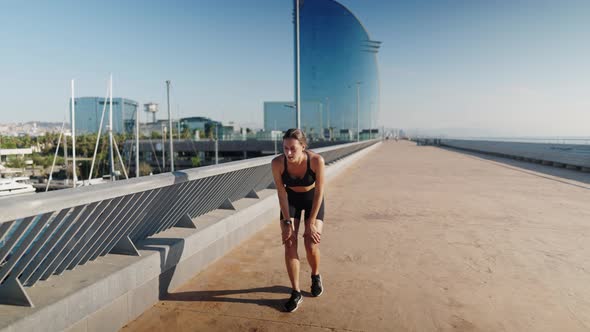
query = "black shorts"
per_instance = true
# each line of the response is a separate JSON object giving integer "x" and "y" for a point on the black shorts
{"x": 302, "y": 202}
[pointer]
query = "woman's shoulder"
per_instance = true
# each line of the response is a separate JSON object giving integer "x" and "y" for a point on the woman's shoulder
{"x": 315, "y": 158}
{"x": 278, "y": 161}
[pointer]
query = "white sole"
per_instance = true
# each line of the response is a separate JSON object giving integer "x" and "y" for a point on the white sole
{"x": 297, "y": 307}
{"x": 322, "y": 292}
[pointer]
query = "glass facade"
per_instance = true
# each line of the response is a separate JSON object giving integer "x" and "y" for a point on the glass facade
{"x": 195, "y": 123}
{"x": 206, "y": 126}
{"x": 338, "y": 70}
{"x": 89, "y": 112}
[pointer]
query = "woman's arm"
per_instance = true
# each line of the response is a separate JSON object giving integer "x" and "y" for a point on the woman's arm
{"x": 318, "y": 166}
{"x": 281, "y": 192}
{"x": 318, "y": 162}
{"x": 286, "y": 230}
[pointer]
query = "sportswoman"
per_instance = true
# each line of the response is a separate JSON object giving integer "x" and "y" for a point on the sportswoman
{"x": 299, "y": 178}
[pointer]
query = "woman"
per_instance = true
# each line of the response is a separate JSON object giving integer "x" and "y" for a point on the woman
{"x": 299, "y": 178}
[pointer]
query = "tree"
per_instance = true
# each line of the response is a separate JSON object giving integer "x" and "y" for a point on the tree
{"x": 144, "y": 169}
{"x": 17, "y": 162}
{"x": 85, "y": 145}
{"x": 25, "y": 141}
{"x": 40, "y": 160}
{"x": 186, "y": 133}
{"x": 8, "y": 143}
{"x": 196, "y": 161}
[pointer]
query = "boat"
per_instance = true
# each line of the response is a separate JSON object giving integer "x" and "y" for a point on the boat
{"x": 16, "y": 186}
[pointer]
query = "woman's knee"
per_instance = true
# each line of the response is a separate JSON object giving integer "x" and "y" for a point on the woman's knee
{"x": 291, "y": 247}
{"x": 309, "y": 245}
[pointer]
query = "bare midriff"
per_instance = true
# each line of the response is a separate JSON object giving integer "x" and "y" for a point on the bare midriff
{"x": 300, "y": 189}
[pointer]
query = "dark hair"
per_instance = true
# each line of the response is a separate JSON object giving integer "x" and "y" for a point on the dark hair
{"x": 297, "y": 134}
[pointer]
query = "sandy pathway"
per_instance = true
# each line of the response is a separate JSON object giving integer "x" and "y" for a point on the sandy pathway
{"x": 416, "y": 239}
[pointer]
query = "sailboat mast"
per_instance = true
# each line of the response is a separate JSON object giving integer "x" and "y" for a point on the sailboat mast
{"x": 137, "y": 142}
{"x": 67, "y": 182}
{"x": 170, "y": 125}
{"x": 111, "y": 155}
{"x": 75, "y": 175}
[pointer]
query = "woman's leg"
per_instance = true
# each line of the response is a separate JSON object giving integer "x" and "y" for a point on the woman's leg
{"x": 313, "y": 250}
{"x": 292, "y": 258}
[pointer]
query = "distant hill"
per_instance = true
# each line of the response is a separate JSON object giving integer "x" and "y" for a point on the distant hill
{"x": 32, "y": 128}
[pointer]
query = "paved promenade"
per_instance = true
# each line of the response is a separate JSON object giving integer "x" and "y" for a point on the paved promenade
{"x": 416, "y": 239}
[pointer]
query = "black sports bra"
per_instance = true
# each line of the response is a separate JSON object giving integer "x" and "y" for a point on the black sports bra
{"x": 307, "y": 180}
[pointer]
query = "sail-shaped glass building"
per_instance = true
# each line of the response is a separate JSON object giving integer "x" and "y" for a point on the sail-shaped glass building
{"x": 339, "y": 76}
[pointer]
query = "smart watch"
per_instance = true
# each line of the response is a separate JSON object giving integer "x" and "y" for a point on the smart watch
{"x": 287, "y": 221}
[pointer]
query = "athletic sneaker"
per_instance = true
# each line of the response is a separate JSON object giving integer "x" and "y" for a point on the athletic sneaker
{"x": 316, "y": 285}
{"x": 294, "y": 301}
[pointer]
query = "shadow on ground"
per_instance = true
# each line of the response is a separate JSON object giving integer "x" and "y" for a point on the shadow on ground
{"x": 254, "y": 296}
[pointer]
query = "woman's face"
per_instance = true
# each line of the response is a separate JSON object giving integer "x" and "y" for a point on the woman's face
{"x": 293, "y": 149}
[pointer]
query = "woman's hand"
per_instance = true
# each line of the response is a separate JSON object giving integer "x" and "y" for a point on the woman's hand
{"x": 287, "y": 233}
{"x": 312, "y": 232}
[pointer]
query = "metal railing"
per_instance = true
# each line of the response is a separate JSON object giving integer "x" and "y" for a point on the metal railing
{"x": 50, "y": 233}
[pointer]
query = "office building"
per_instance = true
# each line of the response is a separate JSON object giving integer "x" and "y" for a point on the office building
{"x": 339, "y": 75}
{"x": 90, "y": 109}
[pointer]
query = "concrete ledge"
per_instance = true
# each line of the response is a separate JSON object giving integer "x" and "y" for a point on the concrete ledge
{"x": 558, "y": 155}
{"x": 105, "y": 294}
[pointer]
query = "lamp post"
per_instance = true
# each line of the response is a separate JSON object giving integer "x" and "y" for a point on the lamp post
{"x": 137, "y": 142}
{"x": 295, "y": 108}
{"x": 163, "y": 147}
{"x": 66, "y": 157}
{"x": 274, "y": 138}
{"x": 297, "y": 69}
{"x": 111, "y": 155}
{"x": 371, "y": 120}
{"x": 328, "y": 118}
{"x": 358, "y": 106}
{"x": 216, "y": 145}
{"x": 170, "y": 125}
{"x": 321, "y": 110}
{"x": 74, "y": 176}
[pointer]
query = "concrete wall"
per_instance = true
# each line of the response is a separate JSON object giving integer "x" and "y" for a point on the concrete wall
{"x": 115, "y": 289}
{"x": 572, "y": 155}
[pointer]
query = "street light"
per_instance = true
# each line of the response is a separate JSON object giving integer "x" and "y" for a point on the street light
{"x": 170, "y": 125}
{"x": 163, "y": 147}
{"x": 137, "y": 142}
{"x": 358, "y": 106}
{"x": 296, "y": 108}
{"x": 274, "y": 138}
{"x": 216, "y": 144}
{"x": 371, "y": 119}
{"x": 320, "y": 111}
{"x": 297, "y": 69}
{"x": 328, "y": 115}
{"x": 321, "y": 114}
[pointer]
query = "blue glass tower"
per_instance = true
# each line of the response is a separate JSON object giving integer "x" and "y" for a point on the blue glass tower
{"x": 339, "y": 73}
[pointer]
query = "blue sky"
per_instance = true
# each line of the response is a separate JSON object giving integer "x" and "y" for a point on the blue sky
{"x": 488, "y": 67}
